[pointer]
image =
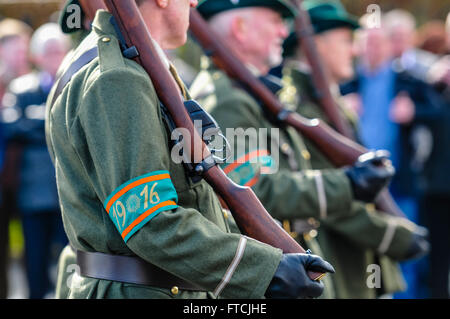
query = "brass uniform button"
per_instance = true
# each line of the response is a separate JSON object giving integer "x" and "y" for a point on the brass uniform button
{"x": 310, "y": 235}
{"x": 106, "y": 39}
{"x": 306, "y": 155}
{"x": 285, "y": 147}
{"x": 370, "y": 207}
{"x": 174, "y": 290}
{"x": 313, "y": 233}
{"x": 225, "y": 214}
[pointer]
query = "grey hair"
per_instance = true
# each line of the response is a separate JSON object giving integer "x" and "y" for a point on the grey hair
{"x": 398, "y": 17}
{"x": 44, "y": 34}
{"x": 221, "y": 22}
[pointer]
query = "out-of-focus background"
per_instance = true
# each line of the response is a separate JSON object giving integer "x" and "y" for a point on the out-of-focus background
{"x": 32, "y": 47}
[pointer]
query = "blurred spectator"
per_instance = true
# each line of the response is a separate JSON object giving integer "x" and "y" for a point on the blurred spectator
{"x": 436, "y": 199}
{"x": 400, "y": 26}
{"x": 14, "y": 38}
{"x": 23, "y": 117}
{"x": 417, "y": 62}
{"x": 432, "y": 37}
{"x": 439, "y": 73}
{"x": 447, "y": 30}
{"x": 393, "y": 103}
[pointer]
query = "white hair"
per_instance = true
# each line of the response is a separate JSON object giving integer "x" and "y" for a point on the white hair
{"x": 221, "y": 22}
{"x": 398, "y": 18}
{"x": 43, "y": 35}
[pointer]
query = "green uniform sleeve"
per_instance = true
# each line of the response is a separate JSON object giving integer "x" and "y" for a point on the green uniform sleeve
{"x": 127, "y": 145}
{"x": 286, "y": 195}
{"x": 389, "y": 235}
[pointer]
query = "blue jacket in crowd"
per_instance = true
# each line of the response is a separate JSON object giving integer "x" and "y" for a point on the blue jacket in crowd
{"x": 23, "y": 121}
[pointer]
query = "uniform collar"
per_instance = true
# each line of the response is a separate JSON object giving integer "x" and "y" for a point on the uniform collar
{"x": 102, "y": 26}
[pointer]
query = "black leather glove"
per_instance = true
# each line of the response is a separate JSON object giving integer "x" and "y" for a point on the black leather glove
{"x": 291, "y": 279}
{"x": 370, "y": 174}
{"x": 419, "y": 246}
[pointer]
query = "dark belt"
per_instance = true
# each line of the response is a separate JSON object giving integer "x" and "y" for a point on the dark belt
{"x": 128, "y": 269}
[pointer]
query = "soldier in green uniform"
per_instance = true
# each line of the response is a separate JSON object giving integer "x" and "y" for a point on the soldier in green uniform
{"x": 140, "y": 226}
{"x": 361, "y": 241}
{"x": 278, "y": 166}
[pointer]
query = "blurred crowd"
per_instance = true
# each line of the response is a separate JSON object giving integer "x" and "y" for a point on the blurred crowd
{"x": 401, "y": 93}
{"x": 29, "y": 61}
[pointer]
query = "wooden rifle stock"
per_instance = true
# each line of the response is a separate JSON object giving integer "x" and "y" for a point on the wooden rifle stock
{"x": 250, "y": 215}
{"x": 339, "y": 149}
{"x": 305, "y": 32}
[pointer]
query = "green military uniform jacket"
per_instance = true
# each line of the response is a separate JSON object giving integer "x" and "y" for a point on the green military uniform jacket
{"x": 286, "y": 191}
{"x": 369, "y": 237}
{"x": 121, "y": 193}
{"x": 275, "y": 165}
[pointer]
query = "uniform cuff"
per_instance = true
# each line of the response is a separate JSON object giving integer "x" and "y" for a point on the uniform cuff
{"x": 401, "y": 238}
{"x": 254, "y": 272}
{"x": 338, "y": 192}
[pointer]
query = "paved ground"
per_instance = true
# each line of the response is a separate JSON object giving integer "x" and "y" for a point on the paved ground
{"x": 17, "y": 281}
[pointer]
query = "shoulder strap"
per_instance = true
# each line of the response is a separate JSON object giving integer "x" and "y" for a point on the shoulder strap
{"x": 76, "y": 66}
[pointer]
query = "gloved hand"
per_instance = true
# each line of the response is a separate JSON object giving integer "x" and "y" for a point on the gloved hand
{"x": 370, "y": 174}
{"x": 419, "y": 246}
{"x": 291, "y": 279}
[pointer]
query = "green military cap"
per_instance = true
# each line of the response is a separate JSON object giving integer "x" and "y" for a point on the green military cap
{"x": 68, "y": 20}
{"x": 325, "y": 15}
{"x": 208, "y": 8}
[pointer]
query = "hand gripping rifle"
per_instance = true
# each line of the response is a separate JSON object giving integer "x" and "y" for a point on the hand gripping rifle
{"x": 338, "y": 148}
{"x": 250, "y": 215}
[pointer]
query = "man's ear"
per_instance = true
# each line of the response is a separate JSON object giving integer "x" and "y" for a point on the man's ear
{"x": 239, "y": 29}
{"x": 162, "y": 3}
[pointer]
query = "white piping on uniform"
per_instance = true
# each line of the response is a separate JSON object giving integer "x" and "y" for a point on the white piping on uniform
{"x": 231, "y": 269}
{"x": 387, "y": 238}
{"x": 321, "y": 194}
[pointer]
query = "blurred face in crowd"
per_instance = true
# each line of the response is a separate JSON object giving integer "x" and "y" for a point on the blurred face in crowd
{"x": 259, "y": 37}
{"x": 447, "y": 30}
{"x": 167, "y": 20}
{"x": 51, "y": 57}
{"x": 14, "y": 55}
{"x": 337, "y": 52}
{"x": 375, "y": 48}
{"x": 402, "y": 39}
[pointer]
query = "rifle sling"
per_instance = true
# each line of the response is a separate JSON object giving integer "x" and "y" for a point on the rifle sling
{"x": 76, "y": 66}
